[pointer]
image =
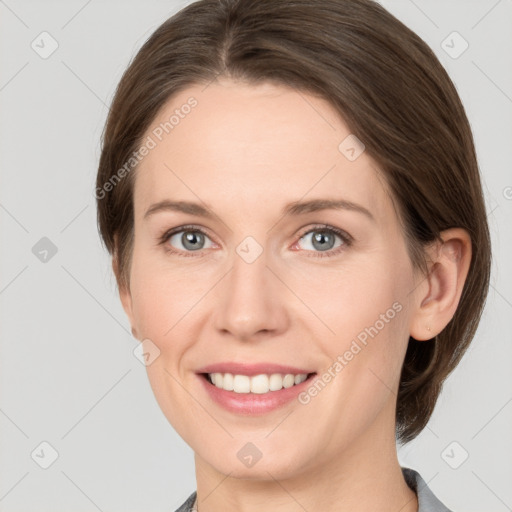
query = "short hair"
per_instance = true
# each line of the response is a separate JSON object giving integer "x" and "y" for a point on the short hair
{"x": 393, "y": 94}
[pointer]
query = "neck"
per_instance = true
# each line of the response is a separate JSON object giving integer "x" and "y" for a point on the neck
{"x": 366, "y": 476}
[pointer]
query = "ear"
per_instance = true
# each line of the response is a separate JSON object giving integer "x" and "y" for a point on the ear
{"x": 437, "y": 297}
{"x": 124, "y": 292}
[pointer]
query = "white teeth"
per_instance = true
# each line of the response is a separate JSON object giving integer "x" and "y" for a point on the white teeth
{"x": 241, "y": 384}
{"x": 276, "y": 382}
{"x": 258, "y": 384}
{"x": 227, "y": 384}
{"x": 288, "y": 381}
{"x": 298, "y": 379}
{"x": 218, "y": 378}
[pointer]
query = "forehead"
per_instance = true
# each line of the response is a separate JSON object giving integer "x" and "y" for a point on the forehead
{"x": 253, "y": 145}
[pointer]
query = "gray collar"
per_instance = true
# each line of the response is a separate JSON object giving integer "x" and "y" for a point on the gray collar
{"x": 427, "y": 501}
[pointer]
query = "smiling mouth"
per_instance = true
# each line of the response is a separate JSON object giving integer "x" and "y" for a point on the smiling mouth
{"x": 255, "y": 384}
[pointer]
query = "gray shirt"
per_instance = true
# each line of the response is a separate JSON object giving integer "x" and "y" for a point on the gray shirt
{"x": 427, "y": 501}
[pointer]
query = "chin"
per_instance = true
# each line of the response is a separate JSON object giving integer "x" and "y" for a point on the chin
{"x": 248, "y": 463}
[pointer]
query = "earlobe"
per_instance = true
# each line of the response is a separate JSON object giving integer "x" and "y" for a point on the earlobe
{"x": 439, "y": 297}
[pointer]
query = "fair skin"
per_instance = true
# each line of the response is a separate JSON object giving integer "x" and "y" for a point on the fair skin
{"x": 244, "y": 152}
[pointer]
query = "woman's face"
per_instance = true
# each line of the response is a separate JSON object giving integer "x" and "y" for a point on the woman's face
{"x": 258, "y": 286}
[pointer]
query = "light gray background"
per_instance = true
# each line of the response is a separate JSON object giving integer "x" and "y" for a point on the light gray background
{"x": 67, "y": 372}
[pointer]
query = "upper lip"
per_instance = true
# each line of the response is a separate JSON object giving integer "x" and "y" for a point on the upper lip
{"x": 251, "y": 369}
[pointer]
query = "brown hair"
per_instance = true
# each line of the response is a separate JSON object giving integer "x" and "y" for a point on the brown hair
{"x": 387, "y": 85}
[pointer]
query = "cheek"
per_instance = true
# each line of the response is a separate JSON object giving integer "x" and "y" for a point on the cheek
{"x": 355, "y": 298}
{"x": 163, "y": 309}
{"x": 160, "y": 295}
{"x": 366, "y": 310}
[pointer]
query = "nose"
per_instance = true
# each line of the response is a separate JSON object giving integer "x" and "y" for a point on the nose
{"x": 250, "y": 301}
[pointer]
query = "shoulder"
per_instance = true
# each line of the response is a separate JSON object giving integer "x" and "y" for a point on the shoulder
{"x": 427, "y": 501}
{"x": 187, "y": 506}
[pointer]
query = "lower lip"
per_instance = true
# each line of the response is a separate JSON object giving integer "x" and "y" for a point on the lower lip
{"x": 253, "y": 403}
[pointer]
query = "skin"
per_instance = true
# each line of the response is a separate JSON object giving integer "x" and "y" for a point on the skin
{"x": 245, "y": 151}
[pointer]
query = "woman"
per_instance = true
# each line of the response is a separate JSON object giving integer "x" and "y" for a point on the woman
{"x": 291, "y": 197}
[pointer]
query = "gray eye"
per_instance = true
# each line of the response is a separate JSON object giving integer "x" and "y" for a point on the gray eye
{"x": 322, "y": 239}
{"x": 190, "y": 240}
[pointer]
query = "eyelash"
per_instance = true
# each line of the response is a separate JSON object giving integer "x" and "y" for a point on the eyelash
{"x": 345, "y": 237}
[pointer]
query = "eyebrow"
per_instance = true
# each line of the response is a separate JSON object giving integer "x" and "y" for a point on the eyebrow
{"x": 296, "y": 208}
{"x": 179, "y": 206}
{"x": 313, "y": 205}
